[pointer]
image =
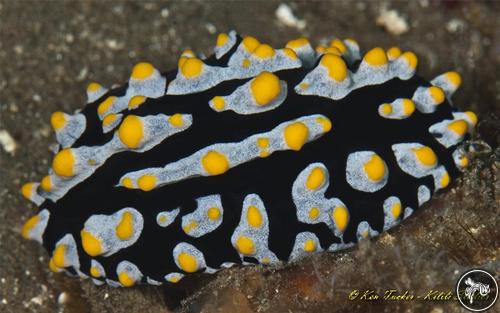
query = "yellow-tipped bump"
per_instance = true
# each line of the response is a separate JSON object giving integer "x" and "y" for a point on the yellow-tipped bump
{"x": 376, "y": 57}
{"x": 297, "y": 43}
{"x": 408, "y": 107}
{"x": 187, "y": 262}
{"x": 106, "y": 105}
{"x": 459, "y": 127}
{"x": 109, "y": 119}
{"x": 142, "y": 71}
{"x": 325, "y": 122}
{"x": 426, "y": 156}
{"x": 125, "y": 228}
{"x": 46, "y": 183}
{"x": 135, "y": 102}
{"x": 254, "y": 218}
{"x": 264, "y": 51}
{"x": 91, "y": 245}
{"x": 296, "y": 135}
{"x": 437, "y": 94}
{"x": 245, "y": 245}
{"x": 58, "y": 120}
{"x": 340, "y": 217}
{"x": 393, "y": 53}
{"x": 375, "y": 168}
{"x": 27, "y": 190}
{"x": 64, "y": 163}
{"x": 265, "y": 87}
{"x": 250, "y": 43}
{"x": 176, "y": 120}
{"x": 337, "y": 69}
{"x": 126, "y": 280}
{"x": 337, "y": 43}
{"x": 215, "y": 163}
{"x": 192, "y": 68}
{"x": 222, "y": 39}
{"x": 147, "y": 182}
{"x": 131, "y": 131}
{"x": 454, "y": 78}
{"x": 29, "y": 225}
{"x": 218, "y": 103}
{"x": 316, "y": 178}
{"x": 59, "y": 256}
{"x": 309, "y": 246}
{"x": 93, "y": 87}
{"x": 411, "y": 59}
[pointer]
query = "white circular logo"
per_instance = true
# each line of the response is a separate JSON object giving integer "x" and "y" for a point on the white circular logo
{"x": 477, "y": 290}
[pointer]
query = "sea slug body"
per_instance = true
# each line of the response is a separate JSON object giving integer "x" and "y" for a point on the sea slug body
{"x": 254, "y": 155}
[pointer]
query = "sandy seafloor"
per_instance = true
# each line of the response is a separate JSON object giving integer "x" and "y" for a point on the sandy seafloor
{"x": 50, "y": 50}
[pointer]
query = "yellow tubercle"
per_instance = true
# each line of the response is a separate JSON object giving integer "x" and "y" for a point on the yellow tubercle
{"x": 174, "y": 279}
{"x": 265, "y": 87}
{"x": 187, "y": 262}
{"x": 128, "y": 183}
{"x": 340, "y": 217}
{"x": 125, "y": 279}
{"x": 142, "y": 71}
{"x": 254, "y": 218}
{"x": 264, "y": 51}
{"x": 454, "y": 78}
{"x": 53, "y": 267}
{"x": 246, "y": 63}
{"x": 58, "y": 120}
{"x": 411, "y": 59}
{"x": 396, "y": 210}
{"x": 245, "y": 245}
{"x": 337, "y": 69}
{"x": 315, "y": 179}
{"x": 408, "y": 107}
{"x": 464, "y": 161}
{"x": 445, "y": 180}
{"x": 109, "y": 119}
{"x": 215, "y": 163}
{"x": 93, "y": 87}
{"x": 313, "y": 213}
{"x": 59, "y": 256}
{"x": 309, "y": 245}
{"x": 333, "y": 50}
{"x": 296, "y": 135}
{"x": 46, "y": 183}
{"x": 375, "y": 168}
{"x": 213, "y": 213}
{"x": 29, "y": 225}
{"x": 218, "y": 103}
{"x": 437, "y": 94}
{"x": 337, "y": 43}
{"x": 106, "y": 105}
{"x": 91, "y": 245}
{"x": 176, "y": 120}
{"x": 135, "y": 102}
{"x": 131, "y": 131}
{"x": 376, "y": 57}
{"x": 222, "y": 39}
{"x": 27, "y": 190}
{"x": 386, "y": 108}
{"x": 64, "y": 163}
{"x": 190, "y": 226}
{"x": 459, "y": 127}
{"x": 262, "y": 142}
{"x": 297, "y": 43}
{"x": 472, "y": 117}
{"x": 94, "y": 272}
{"x": 125, "y": 229}
{"x": 393, "y": 53}
{"x": 325, "y": 122}
{"x": 192, "y": 68}
{"x": 425, "y": 156}
{"x": 290, "y": 53}
{"x": 146, "y": 182}
{"x": 250, "y": 43}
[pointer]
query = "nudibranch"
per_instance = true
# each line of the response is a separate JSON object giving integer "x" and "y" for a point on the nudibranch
{"x": 254, "y": 155}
